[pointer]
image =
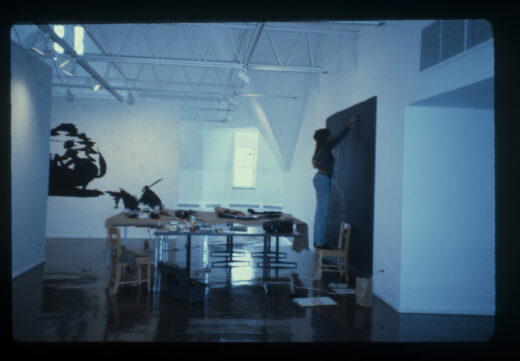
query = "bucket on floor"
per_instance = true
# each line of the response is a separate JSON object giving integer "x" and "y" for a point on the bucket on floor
{"x": 364, "y": 291}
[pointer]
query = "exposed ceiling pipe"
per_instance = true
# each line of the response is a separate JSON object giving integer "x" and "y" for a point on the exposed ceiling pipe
{"x": 71, "y": 52}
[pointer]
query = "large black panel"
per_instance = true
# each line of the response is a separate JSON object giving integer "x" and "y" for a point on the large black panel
{"x": 352, "y": 191}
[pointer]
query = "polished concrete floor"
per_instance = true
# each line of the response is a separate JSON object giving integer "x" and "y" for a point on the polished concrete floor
{"x": 65, "y": 300}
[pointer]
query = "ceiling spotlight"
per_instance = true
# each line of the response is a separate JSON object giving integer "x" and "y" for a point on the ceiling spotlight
{"x": 96, "y": 87}
{"x": 38, "y": 51}
{"x": 70, "y": 65}
{"x": 243, "y": 76}
{"x": 69, "y": 97}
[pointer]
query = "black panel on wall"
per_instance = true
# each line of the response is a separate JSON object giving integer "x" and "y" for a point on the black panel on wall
{"x": 352, "y": 190}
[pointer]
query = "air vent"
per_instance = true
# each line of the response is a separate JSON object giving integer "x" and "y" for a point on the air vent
{"x": 430, "y": 45}
{"x": 444, "y": 39}
{"x": 452, "y": 42}
{"x": 478, "y": 32}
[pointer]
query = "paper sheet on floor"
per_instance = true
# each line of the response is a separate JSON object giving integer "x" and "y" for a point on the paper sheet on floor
{"x": 344, "y": 291}
{"x": 341, "y": 289}
{"x": 314, "y": 301}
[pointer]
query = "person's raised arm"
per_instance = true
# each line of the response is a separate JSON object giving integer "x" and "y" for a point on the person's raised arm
{"x": 344, "y": 132}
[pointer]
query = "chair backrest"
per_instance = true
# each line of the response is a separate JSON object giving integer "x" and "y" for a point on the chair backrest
{"x": 344, "y": 236}
{"x": 115, "y": 242}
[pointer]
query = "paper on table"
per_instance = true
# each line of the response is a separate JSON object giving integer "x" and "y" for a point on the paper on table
{"x": 314, "y": 301}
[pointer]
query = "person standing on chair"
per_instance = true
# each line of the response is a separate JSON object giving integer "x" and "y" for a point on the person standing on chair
{"x": 324, "y": 162}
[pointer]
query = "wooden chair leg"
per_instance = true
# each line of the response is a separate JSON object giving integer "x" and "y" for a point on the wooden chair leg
{"x": 320, "y": 264}
{"x": 346, "y": 272}
{"x": 110, "y": 275}
{"x": 148, "y": 282}
{"x": 117, "y": 280}
{"x": 314, "y": 263}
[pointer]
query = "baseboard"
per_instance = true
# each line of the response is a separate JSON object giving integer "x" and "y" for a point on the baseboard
{"x": 382, "y": 299}
{"x": 27, "y": 269}
{"x": 477, "y": 311}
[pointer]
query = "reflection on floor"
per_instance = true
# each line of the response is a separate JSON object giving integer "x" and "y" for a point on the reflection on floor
{"x": 65, "y": 300}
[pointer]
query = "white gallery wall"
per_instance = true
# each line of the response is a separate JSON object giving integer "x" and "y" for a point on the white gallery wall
{"x": 385, "y": 64}
{"x": 140, "y": 144}
{"x": 206, "y": 167}
{"x": 448, "y": 232}
{"x": 30, "y": 126}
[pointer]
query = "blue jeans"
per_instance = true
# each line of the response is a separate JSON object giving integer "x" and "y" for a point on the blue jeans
{"x": 322, "y": 184}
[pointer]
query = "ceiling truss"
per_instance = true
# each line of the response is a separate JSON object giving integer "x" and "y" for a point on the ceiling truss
{"x": 199, "y": 75}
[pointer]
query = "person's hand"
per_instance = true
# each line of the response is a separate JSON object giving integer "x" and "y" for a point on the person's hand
{"x": 352, "y": 120}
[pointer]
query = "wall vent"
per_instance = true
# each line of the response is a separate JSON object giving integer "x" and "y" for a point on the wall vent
{"x": 444, "y": 39}
{"x": 452, "y": 39}
{"x": 430, "y": 45}
{"x": 478, "y": 32}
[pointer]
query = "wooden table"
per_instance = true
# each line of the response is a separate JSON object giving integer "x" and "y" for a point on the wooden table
{"x": 210, "y": 219}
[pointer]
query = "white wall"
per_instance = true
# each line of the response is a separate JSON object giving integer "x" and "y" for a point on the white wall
{"x": 385, "y": 64}
{"x": 140, "y": 144}
{"x": 448, "y": 218}
{"x": 30, "y": 126}
{"x": 206, "y": 168}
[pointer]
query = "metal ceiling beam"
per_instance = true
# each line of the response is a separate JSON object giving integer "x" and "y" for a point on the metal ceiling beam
{"x": 202, "y": 64}
{"x": 254, "y": 42}
{"x": 79, "y": 60}
{"x": 100, "y": 47}
{"x": 301, "y": 28}
{"x": 205, "y": 94}
{"x": 169, "y": 85}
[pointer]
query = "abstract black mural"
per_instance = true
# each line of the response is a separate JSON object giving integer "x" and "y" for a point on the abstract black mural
{"x": 74, "y": 163}
{"x": 148, "y": 198}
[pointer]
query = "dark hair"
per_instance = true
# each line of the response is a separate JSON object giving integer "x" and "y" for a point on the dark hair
{"x": 320, "y": 136}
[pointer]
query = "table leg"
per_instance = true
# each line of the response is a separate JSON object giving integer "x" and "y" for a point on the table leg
{"x": 264, "y": 268}
{"x": 157, "y": 250}
{"x": 125, "y": 237}
{"x": 229, "y": 261}
{"x": 109, "y": 246}
{"x": 188, "y": 255}
{"x": 229, "y": 241}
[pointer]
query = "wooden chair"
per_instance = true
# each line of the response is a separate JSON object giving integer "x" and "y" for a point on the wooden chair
{"x": 341, "y": 254}
{"x": 119, "y": 271}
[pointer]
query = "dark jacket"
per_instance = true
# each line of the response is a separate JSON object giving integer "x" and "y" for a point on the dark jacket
{"x": 323, "y": 155}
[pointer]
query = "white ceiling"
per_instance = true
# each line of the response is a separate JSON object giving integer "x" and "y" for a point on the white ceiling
{"x": 198, "y": 65}
{"x": 188, "y": 60}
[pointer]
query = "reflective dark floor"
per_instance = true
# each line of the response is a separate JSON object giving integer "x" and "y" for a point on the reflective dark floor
{"x": 65, "y": 300}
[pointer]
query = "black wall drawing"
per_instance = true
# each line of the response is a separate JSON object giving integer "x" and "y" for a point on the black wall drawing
{"x": 148, "y": 198}
{"x": 74, "y": 164}
{"x": 129, "y": 201}
{"x": 352, "y": 190}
